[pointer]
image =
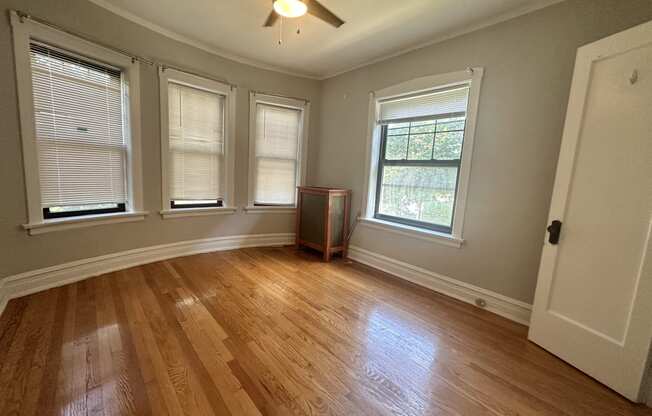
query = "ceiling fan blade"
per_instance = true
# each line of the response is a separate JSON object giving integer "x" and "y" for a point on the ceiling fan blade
{"x": 316, "y": 9}
{"x": 271, "y": 19}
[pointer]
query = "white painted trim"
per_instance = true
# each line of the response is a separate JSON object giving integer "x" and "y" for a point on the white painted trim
{"x": 528, "y": 8}
{"x": 37, "y": 280}
{"x": 25, "y": 30}
{"x": 499, "y": 304}
{"x": 198, "y": 44}
{"x": 167, "y": 75}
{"x": 270, "y": 210}
{"x": 62, "y": 224}
{"x": 196, "y": 212}
{"x": 472, "y": 76}
{"x": 414, "y": 232}
{"x": 549, "y": 328}
{"x": 3, "y": 296}
{"x": 302, "y": 147}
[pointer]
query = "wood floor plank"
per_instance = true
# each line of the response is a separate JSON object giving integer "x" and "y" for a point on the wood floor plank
{"x": 133, "y": 397}
{"x": 275, "y": 331}
{"x": 27, "y": 349}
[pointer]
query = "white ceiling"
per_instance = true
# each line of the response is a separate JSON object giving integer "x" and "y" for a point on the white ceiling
{"x": 374, "y": 29}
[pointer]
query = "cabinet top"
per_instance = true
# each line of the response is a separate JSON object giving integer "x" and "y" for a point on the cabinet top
{"x": 323, "y": 190}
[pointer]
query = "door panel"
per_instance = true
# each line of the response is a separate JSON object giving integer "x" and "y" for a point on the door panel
{"x": 593, "y": 305}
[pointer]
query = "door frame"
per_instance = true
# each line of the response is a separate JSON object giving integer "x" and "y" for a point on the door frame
{"x": 619, "y": 43}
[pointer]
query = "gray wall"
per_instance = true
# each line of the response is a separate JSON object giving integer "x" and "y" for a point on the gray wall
{"x": 20, "y": 252}
{"x": 528, "y": 65}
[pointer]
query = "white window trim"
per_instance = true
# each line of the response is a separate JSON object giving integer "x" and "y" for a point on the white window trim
{"x": 165, "y": 76}
{"x": 410, "y": 231}
{"x": 61, "y": 224}
{"x": 24, "y": 30}
{"x": 302, "y": 157}
{"x": 472, "y": 75}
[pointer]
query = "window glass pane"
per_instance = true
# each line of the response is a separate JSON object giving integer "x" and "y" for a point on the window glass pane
{"x": 448, "y": 145}
{"x": 398, "y": 128}
{"x": 450, "y": 124}
{"x": 195, "y": 203}
{"x": 425, "y": 194}
{"x": 427, "y": 126}
{"x": 396, "y": 147}
{"x": 420, "y": 147}
{"x": 74, "y": 208}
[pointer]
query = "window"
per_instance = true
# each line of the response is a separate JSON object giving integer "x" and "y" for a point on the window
{"x": 277, "y": 147}
{"x": 78, "y": 107}
{"x": 424, "y": 132}
{"x": 82, "y": 152}
{"x": 197, "y": 154}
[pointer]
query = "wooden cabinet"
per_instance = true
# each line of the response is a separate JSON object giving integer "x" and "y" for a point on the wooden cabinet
{"x": 323, "y": 219}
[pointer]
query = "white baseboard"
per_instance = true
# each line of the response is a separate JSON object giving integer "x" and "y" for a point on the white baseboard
{"x": 3, "y": 298}
{"x": 37, "y": 280}
{"x": 499, "y": 304}
{"x": 41, "y": 279}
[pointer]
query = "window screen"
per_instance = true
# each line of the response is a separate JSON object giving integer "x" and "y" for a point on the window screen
{"x": 80, "y": 124}
{"x": 196, "y": 129}
{"x": 276, "y": 154}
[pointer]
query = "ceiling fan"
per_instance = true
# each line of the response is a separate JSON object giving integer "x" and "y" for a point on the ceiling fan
{"x": 297, "y": 8}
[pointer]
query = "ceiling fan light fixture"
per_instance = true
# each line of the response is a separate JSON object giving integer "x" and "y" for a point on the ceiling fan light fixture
{"x": 290, "y": 8}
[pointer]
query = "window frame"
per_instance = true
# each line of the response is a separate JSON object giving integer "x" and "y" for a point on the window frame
{"x": 167, "y": 75}
{"x": 302, "y": 148}
{"x": 471, "y": 76}
{"x": 24, "y": 31}
{"x": 382, "y": 162}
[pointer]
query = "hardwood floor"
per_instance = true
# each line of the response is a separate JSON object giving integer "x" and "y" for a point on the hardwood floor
{"x": 275, "y": 332}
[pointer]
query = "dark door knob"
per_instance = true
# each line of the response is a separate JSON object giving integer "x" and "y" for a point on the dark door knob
{"x": 555, "y": 230}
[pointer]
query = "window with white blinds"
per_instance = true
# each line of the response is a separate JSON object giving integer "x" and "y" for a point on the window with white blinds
{"x": 80, "y": 132}
{"x": 421, "y": 143}
{"x": 276, "y": 154}
{"x": 441, "y": 103}
{"x": 196, "y": 147}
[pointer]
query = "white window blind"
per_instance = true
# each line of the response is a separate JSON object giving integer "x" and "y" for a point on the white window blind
{"x": 443, "y": 103}
{"x": 276, "y": 151}
{"x": 79, "y": 121}
{"x": 196, "y": 129}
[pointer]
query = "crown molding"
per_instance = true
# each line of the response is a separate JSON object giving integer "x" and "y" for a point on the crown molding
{"x": 198, "y": 44}
{"x": 537, "y": 5}
{"x": 541, "y": 4}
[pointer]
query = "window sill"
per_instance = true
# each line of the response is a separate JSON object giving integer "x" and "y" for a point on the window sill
{"x": 196, "y": 212}
{"x": 270, "y": 210}
{"x": 406, "y": 230}
{"x": 60, "y": 224}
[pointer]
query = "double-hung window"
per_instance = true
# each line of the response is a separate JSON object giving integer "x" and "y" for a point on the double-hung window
{"x": 78, "y": 103}
{"x": 423, "y": 152}
{"x": 197, "y": 150}
{"x": 82, "y": 151}
{"x": 277, "y": 146}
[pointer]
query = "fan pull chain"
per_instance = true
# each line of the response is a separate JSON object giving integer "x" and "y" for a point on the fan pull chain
{"x": 280, "y": 32}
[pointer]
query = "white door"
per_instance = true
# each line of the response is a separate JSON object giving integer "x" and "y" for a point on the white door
{"x": 593, "y": 303}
